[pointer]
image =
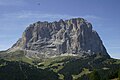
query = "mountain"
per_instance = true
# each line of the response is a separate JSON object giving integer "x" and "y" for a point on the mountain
{"x": 63, "y": 50}
{"x": 73, "y": 36}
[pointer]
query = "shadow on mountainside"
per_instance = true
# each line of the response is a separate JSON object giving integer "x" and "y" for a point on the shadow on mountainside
{"x": 23, "y": 71}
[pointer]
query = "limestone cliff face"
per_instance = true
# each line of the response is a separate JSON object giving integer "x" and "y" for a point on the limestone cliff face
{"x": 70, "y": 36}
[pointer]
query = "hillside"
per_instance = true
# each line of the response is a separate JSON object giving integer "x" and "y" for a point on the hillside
{"x": 58, "y": 68}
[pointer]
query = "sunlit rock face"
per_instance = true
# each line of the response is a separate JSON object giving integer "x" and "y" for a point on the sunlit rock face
{"x": 73, "y": 36}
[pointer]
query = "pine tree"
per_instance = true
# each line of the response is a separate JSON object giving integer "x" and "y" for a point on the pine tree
{"x": 94, "y": 75}
{"x": 119, "y": 74}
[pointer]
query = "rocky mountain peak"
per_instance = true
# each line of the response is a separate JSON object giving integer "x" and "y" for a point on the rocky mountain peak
{"x": 73, "y": 36}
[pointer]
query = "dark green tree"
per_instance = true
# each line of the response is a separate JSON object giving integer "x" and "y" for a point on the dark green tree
{"x": 94, "y": 75}
{"x": 119, "y": 74}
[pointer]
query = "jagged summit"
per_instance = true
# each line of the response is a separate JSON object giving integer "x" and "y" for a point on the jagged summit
{"x": 73, "y": 36}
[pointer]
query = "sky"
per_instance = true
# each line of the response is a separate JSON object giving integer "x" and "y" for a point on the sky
{"x": 16, "y": 15}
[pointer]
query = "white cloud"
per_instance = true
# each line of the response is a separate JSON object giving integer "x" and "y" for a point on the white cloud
{"x": 62, "y": 16}
{"x": 92, "y": 17}
{"x": 38, "y": 15}
{"x": 35, "y": 15}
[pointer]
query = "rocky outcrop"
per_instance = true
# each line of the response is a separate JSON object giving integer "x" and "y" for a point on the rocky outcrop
{"x": 73, "y": 36}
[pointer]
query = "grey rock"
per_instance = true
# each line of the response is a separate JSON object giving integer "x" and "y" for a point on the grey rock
{"x": 70, "y": 36}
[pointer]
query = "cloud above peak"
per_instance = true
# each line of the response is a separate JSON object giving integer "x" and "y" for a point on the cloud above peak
{"x": 45, "y": 16}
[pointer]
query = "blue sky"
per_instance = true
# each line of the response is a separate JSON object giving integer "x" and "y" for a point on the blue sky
{"x": 16, "y": 15}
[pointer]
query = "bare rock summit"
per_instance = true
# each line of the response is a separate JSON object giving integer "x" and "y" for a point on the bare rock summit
{"x": 73, "y": 36}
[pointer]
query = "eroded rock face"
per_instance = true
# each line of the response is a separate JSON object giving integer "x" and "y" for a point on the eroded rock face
{"x": 70, "y": 36}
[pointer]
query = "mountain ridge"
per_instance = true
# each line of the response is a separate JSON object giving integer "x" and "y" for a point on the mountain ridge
{"x": 73, "y": 36}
